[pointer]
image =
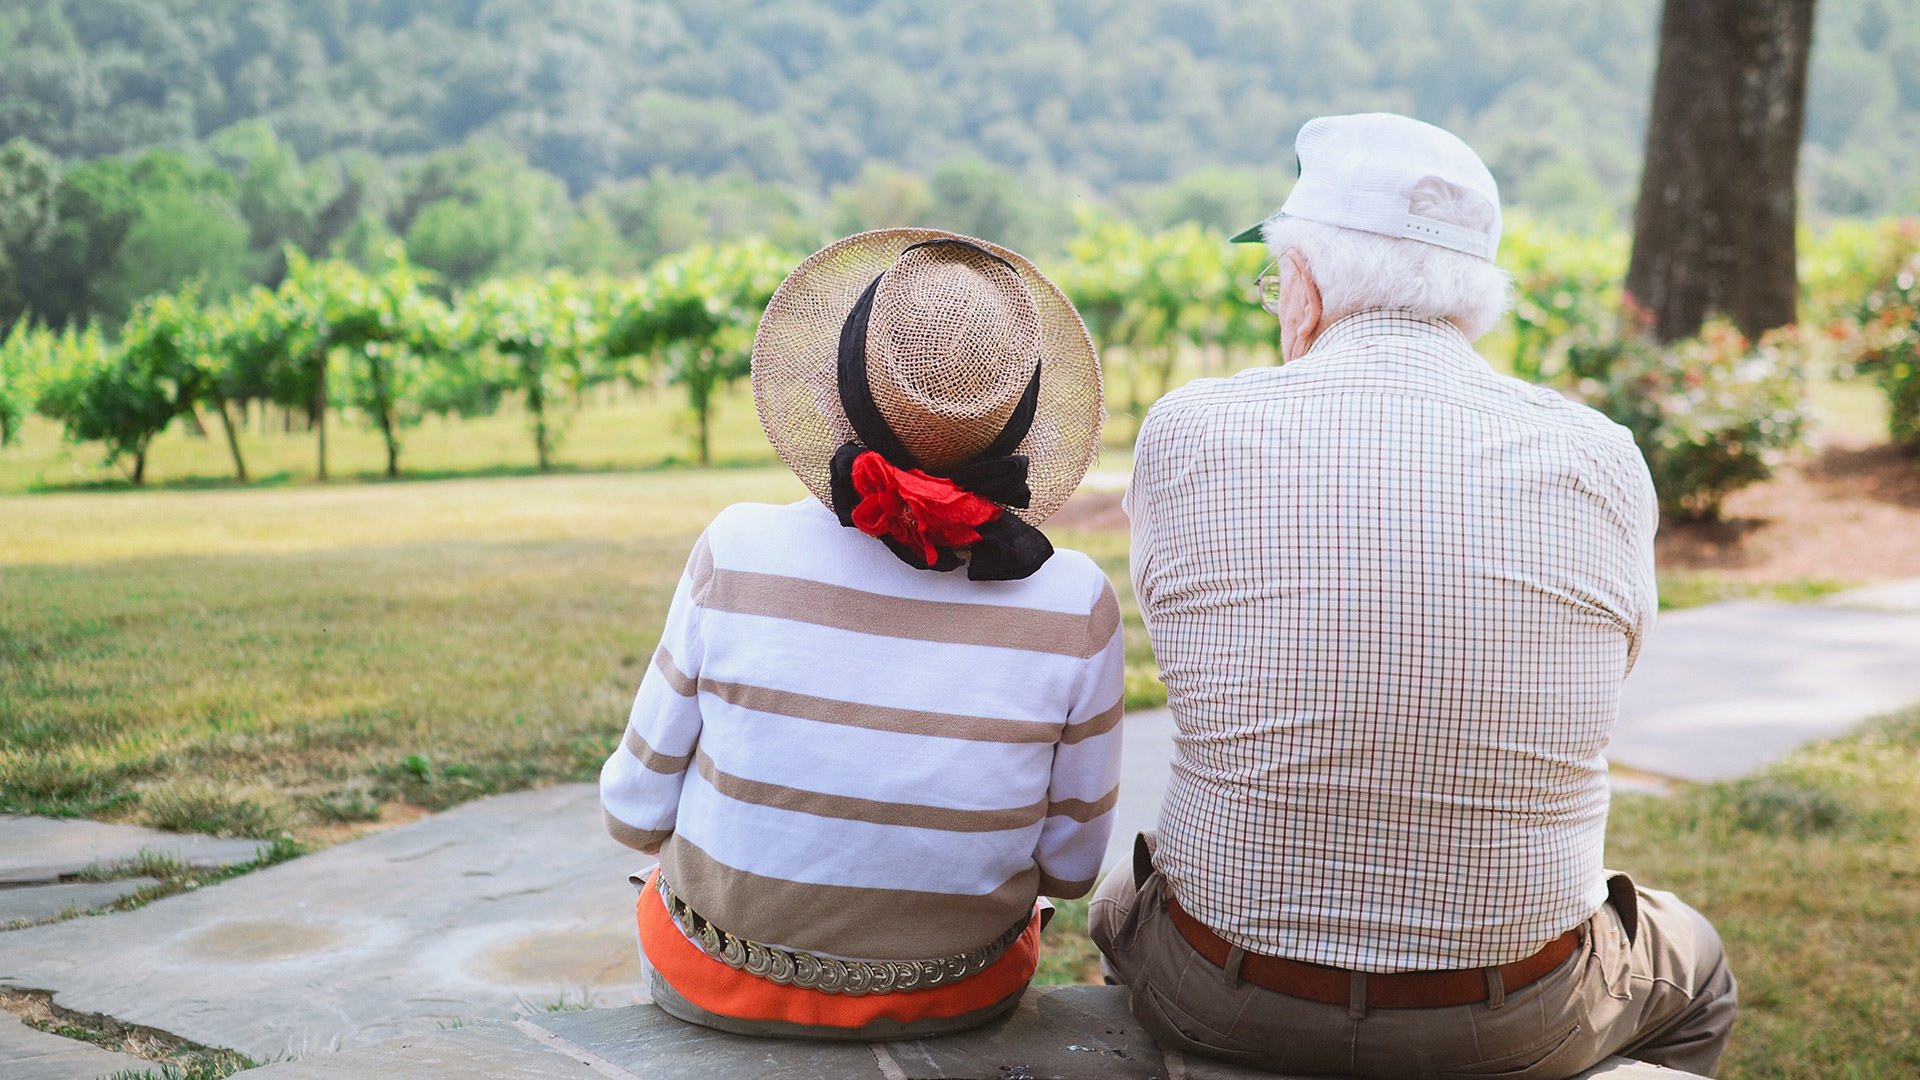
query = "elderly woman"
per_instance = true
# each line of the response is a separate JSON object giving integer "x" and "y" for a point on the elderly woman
{"x": 884, "y": 721}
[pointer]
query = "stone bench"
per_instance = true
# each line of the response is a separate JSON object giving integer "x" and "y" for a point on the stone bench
{"x": 1057, "y": 1033}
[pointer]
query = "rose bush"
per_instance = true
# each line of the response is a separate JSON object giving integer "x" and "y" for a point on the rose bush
{"x": 1885, "y": 335}
{"x": 1711, "y": 414}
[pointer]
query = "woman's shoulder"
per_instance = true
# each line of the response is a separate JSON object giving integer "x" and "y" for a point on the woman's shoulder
{"x": 1074, "y": 566}
{"x": 1070, "y": 581}
{"x": 757, "y": 523}
{"x": 805, "y": 539}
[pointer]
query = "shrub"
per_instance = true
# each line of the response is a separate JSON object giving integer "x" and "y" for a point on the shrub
{"x": 1563, "y": 281}
{"x": 1711, "y": 414}
{"x": 1887, "y": 342}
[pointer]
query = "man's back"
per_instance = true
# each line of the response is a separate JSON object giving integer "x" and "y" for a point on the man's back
{"x": 1393, "y": 595}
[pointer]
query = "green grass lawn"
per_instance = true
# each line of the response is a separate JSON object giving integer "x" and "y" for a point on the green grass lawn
{"x": 1811, "y": 872}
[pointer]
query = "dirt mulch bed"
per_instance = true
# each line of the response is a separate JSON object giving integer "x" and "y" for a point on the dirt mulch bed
{"x": 1848, "y": 513}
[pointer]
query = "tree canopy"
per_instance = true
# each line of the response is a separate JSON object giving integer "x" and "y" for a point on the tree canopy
{"x": 1107, "y": 94}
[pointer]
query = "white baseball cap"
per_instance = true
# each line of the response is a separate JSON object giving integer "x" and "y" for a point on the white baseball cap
{"x": 1361, "y": 171}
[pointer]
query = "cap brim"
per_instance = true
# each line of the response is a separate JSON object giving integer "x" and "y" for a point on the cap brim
{"x": 1250, "y": 236}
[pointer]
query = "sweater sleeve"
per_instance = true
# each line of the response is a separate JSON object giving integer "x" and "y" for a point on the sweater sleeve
{"x": 1085, "y": 787}
{"x": 640, "y": 783}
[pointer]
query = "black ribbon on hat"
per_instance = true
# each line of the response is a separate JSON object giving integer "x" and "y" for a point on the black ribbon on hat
{"x": 1008, "y": 549}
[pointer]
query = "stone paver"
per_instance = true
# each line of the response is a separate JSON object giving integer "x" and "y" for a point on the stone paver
{"x": 31, "y": 1054}
{"x": 1058, "y": 1032}
{"x": 644, "y": 1041}
{"x": 495, "y": 1049}
{"x": 46, "y": 849}
{"x": 32, "y": 903}
{"x": 519, "y": 900}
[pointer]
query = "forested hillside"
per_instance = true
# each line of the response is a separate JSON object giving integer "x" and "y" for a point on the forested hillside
{"x": 148, "y": 143}
{"x": 807, "y": 92}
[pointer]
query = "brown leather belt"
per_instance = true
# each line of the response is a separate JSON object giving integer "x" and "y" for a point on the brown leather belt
{"x": 1398, "y": 990}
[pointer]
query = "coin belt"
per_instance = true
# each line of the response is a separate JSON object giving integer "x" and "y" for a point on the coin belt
{"x": 827, "y": 974}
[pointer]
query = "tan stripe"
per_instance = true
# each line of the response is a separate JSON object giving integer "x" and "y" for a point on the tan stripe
{"x": 1082, "y": 810}
{"x": 1104, "y": 620}
{"x": 678, "y": 681}
{"x": 775, "y": 596}
{"x": 700, "y": 569}
{"x": 1065, "y": 890}
{"x": 646, "y": 841}
{"x": 881, "y": 717}
{"x": 872, "y": 811}
{"x": 654, "y": 759}
{"x": 872, "y": 924}
{"x": 1098, "y": 725}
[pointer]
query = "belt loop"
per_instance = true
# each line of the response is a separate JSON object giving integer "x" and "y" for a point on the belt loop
{"x": 1356, "y": 995}
{"x": 1235, "y": 956}
{"x": 1496, "y": 988}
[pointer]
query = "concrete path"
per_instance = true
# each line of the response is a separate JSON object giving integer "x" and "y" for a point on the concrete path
{"x": 514, "y": 905}
{"x": 1724, "y": 689}
{"x": 1059, "y": 1032}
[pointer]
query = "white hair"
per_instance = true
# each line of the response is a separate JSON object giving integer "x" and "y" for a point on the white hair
{"x": 1359, "y": 270}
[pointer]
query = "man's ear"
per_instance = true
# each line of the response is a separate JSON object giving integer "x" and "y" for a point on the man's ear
{"x": 1300, "y": 311}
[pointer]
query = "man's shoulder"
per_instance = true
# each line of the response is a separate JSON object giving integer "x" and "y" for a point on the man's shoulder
{"x": 1204, "y": 396}
{"x": 1577, "y": 419}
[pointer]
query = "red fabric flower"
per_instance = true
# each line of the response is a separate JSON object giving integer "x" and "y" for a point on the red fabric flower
{"x": 924, "y": 513}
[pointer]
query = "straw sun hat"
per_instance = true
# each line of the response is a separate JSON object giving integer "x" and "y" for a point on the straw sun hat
{"x": 936, "y": 391}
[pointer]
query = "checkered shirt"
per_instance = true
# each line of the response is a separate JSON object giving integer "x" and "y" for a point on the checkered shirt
{"x": 1393, "y": 595}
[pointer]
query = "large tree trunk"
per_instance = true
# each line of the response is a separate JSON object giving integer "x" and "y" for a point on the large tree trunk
{"x": 1714, "y": 228}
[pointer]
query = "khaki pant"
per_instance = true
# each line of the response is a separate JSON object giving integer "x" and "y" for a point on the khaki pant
{"x": 1651, "y": 984}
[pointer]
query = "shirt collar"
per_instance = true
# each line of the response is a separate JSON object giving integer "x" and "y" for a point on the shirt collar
{"x": 1384, "y": 322}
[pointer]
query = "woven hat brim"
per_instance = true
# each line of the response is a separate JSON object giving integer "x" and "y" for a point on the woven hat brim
{"x": 795, "y": 363}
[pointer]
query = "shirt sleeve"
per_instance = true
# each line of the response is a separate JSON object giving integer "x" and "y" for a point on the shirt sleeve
{"x": 640, "y": 783}
{"x": 1646, "y": 586}
{"x": 1138, "y": 505}
{"x": 1085, "y": 787}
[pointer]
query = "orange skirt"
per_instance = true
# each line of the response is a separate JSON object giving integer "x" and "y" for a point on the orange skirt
{"x": 727, "y": 991}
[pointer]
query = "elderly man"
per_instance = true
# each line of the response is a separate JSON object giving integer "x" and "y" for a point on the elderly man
{"x": 1393, "y": 595}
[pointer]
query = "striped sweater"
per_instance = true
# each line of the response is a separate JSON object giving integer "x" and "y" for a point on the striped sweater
{"x": 837, "y": 753}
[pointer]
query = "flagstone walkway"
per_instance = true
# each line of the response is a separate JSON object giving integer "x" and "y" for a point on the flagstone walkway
{"x": 519, "y": 905}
